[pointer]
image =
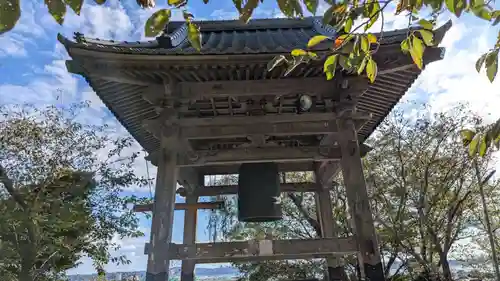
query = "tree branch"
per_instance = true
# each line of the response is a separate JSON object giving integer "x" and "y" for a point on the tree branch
{"x": 9, "y": 186}
{"x": 314, "y": 224}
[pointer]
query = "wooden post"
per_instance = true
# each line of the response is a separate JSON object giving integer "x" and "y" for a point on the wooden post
{"x": 329, "y": 228}
{"x": 357, "y": 197}
{"x": 190, "y": 216}
{"x": 163, "y": 214}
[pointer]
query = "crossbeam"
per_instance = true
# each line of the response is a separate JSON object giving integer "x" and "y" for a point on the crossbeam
{"x": 254, "y": 120}
{"x": 233, "y": 189}
{"x": 259, "y": 154}
{"x": 316, "y": 127}
{"x": 182, "y": 206}
{"x": 273, "y": 87}
{"x": 261, "y": 250}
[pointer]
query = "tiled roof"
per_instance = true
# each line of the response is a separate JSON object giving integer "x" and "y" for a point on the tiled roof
{"x": 229, "y": 37}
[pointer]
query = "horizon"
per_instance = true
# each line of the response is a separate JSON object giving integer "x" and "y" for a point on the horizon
{"x": 33, "y": 68}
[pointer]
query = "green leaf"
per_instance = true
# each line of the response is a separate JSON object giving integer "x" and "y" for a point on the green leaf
{"x": 10, "y": 12}
{"x": 473, "y": 146}
{"x": 100, "y": 2}
{"x": 157, "y": 22}
{"x": 75, "y": 5}
{"x": 371, "y": 70}
{"x": 194, "y": 36}
{"x": 362, "y": 66}
{"x": 330, "y": 64}
{"x": 483, "y": 147}
{"x": 57, "y": 9}
{"x": 316, "y": 40}
{"x": 176, "y": 3}
{"x": 405, "y": 45}
{"x": 467, "y": 136}
{"x": 365, "y": 44}
{"x": 417, "y": 48}
{"x": 426, "y": 24}
{"x": 298, "y": 52}
{"x": 312, "y": 6}
{"x": 427, "y": 36}
{"x": 348, "y": 25}
{"x": 455, "y": 6}
{"x": 372, "y": 11}
{"x": 491, "y": 63}
{"x": 371, "y": 38}
{"x": 482, "y": 11}
{"x": 480, "y": 62}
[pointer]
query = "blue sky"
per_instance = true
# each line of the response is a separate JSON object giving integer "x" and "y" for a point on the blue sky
{"x": 32, "y": 70}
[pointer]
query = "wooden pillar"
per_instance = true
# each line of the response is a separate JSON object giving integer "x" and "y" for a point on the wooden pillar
{"x": 357, "y": 197}
{"x": 329, "y": 228}
{"x": 190, "y": 216}
{"x": 163, "y": 214}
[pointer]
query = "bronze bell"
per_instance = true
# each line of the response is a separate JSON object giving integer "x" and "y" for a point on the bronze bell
{"x": 259, "y": 193}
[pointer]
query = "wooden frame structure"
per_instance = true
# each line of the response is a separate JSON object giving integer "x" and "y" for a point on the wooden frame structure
{"x": 206, "y": 114}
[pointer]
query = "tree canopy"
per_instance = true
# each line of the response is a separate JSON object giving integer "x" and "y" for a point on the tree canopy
{"x": 424, "y": 193}
{"x": 61, "y": 186}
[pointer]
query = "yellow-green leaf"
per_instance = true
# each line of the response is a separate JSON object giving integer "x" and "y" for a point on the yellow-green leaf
{"x": 176, "y": 2}
{"x": 365, "y": 44}
{"x": 57, "y": 8}
{"x": 467, "y": 136}
{"x": 455, "y": 6}
{"x": 330, "y": 75}
{"x": 405, "y": 45}
{"x": 100, "y": 2}
{"x": 188, "y": 17}
{"x": 277, "y": 60}
{"x": 316, "y": 40}
{"x": 491, "y": 64}
{"x": 10, "y": 12}
{"x": 330, "y": 64}
{"x": 194, "y": 36}
{"x": 75, "y": 5}
{"x": 427, "y": 36}
{"x": 157, "y": 22}
{"x": 371, "y": 70}
{"x": 363, "y": 64}
{"x": 425, "y": 24}
{"x": 473, "y": 146}
{"x": 417, "y": 48}
{"x": 482, "y": 12}
{"x": 298, "y": 52}
{"x": 480, "y": 62}
{"x": 371, "y": 38}
{"x": 312, "y": 6}
{"x": 483, "y": 147}
{"x": 348, "y": 25}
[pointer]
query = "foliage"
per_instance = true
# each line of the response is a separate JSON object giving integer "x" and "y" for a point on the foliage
{"x": 424, "y": 196}
{"x": 426, "y": 190}
{"x": 61, "y": 184}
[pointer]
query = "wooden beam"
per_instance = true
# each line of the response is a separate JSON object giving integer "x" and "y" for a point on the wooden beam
{"x": 259, "y": 154}
{"x": 182, "y": 206}
{"x": 233, "y": 169}
{"x": 189, "y": 237}
{"x": 240, "y": 251}
{"x": 163, "y": 213}
{"x": 233, "y": 189}
{"x": 264, "y": 119}
{"x": 357, "y": 197}
{"x": 279, "y": 129}
{"x": 271, "y": 87}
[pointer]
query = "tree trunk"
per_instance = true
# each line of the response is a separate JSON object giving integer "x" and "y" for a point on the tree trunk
{"x": 445, "y": 265}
